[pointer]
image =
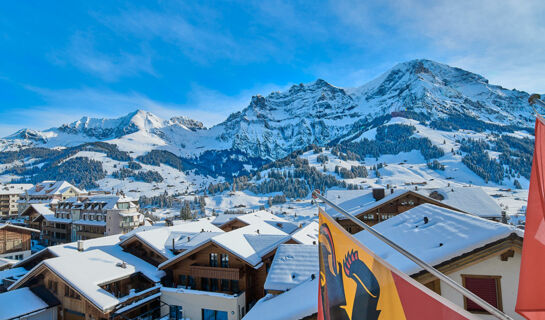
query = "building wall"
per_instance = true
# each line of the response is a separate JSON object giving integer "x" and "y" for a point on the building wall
{"x": 493, "y": 266}
{"x": 14, "y": 240}
{"x": 250, "y": 280}
{"x": 8, "y": 205}
{"x": 17, "y": 255}
{"x": 193, "y": 301}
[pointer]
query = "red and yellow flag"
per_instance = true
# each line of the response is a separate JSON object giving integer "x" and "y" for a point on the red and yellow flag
{"x": 356, "y": 284}
{"x": 531, "y": 291}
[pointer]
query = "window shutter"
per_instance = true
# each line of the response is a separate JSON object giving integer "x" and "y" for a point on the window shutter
{"x": 485, "y": 288}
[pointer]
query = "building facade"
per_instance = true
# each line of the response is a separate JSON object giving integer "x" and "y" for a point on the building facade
{"x": 9, "y": 195}
{"x": 15, "y": 241}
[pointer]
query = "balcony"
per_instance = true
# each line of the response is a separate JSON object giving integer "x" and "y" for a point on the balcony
{"x": 129, "y": 224}
{"x": 215, "y": 272}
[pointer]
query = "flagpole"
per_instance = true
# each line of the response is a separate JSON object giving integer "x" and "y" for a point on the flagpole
{"x": 463, "y": 291}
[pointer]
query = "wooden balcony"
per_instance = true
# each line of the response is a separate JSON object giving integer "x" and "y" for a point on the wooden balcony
{"x": 89, "y": 235}
{"x": 215, "y": 272}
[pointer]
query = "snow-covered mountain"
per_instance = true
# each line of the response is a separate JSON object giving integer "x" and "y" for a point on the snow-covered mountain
{"x": 272, "y": 126}
{"x": 439, "y": 98}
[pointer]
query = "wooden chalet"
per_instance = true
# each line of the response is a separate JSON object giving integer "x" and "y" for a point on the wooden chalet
{"x": 15, "y": 241}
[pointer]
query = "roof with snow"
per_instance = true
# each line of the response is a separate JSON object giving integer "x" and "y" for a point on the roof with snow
{"x": 297, "y": 303}
{"x": 272, "y": 219}
{"x": 447, "y": 234}
{"x": 13, "y": 274}
{"x": 13, "y": 188}
{"x": 26, "y": 301}
{"x": 249, "y": 243}
{"x": 292, "y": 264}
{"x": 224, "y": 218}
{"x": 40, "y": 208}
{"x": 47, "y": 188}
{"x": 473, "y": 200}
{"x": 160, "y": 238}
{"x": 358, "y": 201}
{"x": 307, "y": 234}
{"x": 104, "y": 202}
{"x": 9, "y": 225}
{"x": 87, "y": 271}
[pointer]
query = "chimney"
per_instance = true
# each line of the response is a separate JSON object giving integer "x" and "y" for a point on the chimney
{"x": 504, "y": 216}
{"x": 80, "y": 245}
{"x": 378, "y": 193}
{"x": 257, "y": 231}
{"x": 392, "y": 191}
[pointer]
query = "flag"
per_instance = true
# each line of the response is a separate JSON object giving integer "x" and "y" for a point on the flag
{"x": 355, "y": 284}
{"x": 531, "y": 291}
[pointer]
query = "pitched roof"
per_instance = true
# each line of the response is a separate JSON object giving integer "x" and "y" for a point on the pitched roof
{"x": 292, "y": 264}
{"x": 160, "y": 238}
{"x": 358, "y": 201}
{"x": 446, "y": 235}
{"x": 26, "y": 301}
{"x": 249, "y": 243}
{"x": 40, "y": 208}
{"x": 13, "y": 188}
{"x": 307, "y": 234}
{"x": 473, "y": 200}
{"x": 272, "y": 219}
{"x": 107, "y": 202}
{"x": 9, "y": 225}
{"x": 51, "y": 188}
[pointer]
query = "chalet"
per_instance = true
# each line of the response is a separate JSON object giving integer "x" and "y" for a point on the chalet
{"x": 34, "y": 217}
{"x": 48, "y": 192}
{"x": 9, "y": 195}
{"x": 482, "y": 255}
{"x": 223, "y": 276}
{"x": 15, "y": 241}
{"x": 95, "y": 284}
{"x": 377, "y": 205}
{"x": 158, "y": 244}
{"x": 87, "y": 217}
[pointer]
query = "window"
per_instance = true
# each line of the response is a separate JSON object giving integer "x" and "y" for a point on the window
{"x": 208, "y": 314}
{"x": 213, "y": 259}
{"x": 175, "y": 313}
{"x": 486, "y": 287}
{"x": 234, "y": 286}
{"x": 204, "y": 284}
{"x": 123, "y": 205}
{"x": 191, "y": 282}
{"x": 225, "y": 261}
{"x": 224, "y": 285}
{"x": 182, "y": 280}
{"x": 213, "y": 284}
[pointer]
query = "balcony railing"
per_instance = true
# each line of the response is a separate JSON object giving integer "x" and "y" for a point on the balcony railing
{"x": 130, "y": 224}
{"x": 215, "y": 272}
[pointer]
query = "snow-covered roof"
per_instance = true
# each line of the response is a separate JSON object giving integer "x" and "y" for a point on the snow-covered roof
{"x": 358, "y": 201}
{"x": 160, "y": 238}
{"x": 47, "y": 188}
{"x": 25, "y": 300}
{"x": 9, "y": 225}
{"x": 40, "y": 208}
{"x": 272, "y": 219}
{"x": 307, "y": 234}
{"x": 96, "y": 264}
{"x": 297, "y": 303}
{"x": 292, "y": 264}
{"x": 14, "y": 188}
{"x": 249, "y": 243}
{"x": 473, "y": 200}
{"x": 224, "y": 218}
{"x": 107, "y": 202}
{"x": 458, "y": 232}
{"x": 446, "y": 235}
{"x": 51, "y": 218}
{"x": 14, "y": 273}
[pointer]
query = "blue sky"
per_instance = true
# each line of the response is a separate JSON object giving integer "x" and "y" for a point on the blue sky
{"x": 65, "y": 59}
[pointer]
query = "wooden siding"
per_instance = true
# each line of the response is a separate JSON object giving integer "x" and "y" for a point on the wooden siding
{"x": 14, "y": 240}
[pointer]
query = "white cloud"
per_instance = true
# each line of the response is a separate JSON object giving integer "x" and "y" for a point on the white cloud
{"x": 83, "y": 54}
